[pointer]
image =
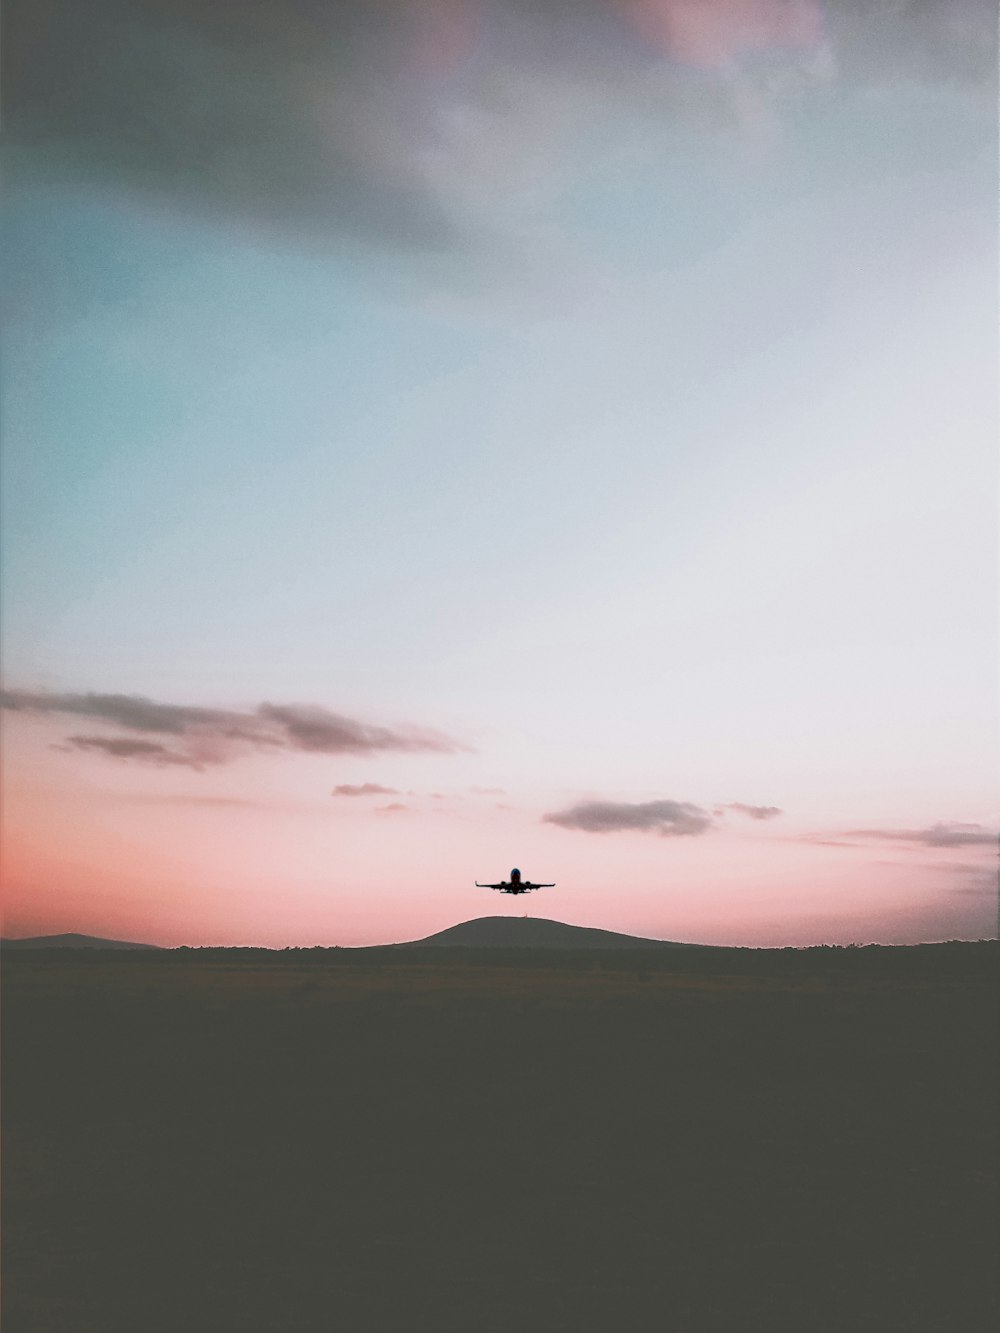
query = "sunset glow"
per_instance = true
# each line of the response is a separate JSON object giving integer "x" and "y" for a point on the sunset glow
{"x": 572, "y": 438}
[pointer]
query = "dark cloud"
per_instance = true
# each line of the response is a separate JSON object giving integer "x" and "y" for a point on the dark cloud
{"x": 377, "y": 120}
{"x": 668, "y": 818}
{"x": 753, "y": 811}
{"x": 127, "y": 710}
{"x": 311, "y": 727}
{"x": 937, "y": 835}
{"x": 254, "y": 112}
{"x": 364, "y": 789}
{"x": 123, "y": 747}
{"x": 217, "y": 735}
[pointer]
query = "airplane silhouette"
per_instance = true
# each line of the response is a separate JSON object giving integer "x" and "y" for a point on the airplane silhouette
{"x": 514, "y": 885}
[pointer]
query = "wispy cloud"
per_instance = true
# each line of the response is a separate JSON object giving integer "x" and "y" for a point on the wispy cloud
{"x": 127, "y": 710}
{"x": 393, "y": 808}
{"x": 364, "y": 789}
{"x": 937, "y": 835}
{"x": 671, "y": 819}
{"x": 752, "y": 811}
{"x": 121, "y": 747}
{"x": 313, "y": 728}
{"x": 203, "y": 736}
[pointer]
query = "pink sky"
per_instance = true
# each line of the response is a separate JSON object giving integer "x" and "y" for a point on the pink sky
{"x": 260, "y": 853}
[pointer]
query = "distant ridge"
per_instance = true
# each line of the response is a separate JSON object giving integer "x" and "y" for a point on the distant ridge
{"x": 516, "y": 932}
{"x": 72, "y": 942}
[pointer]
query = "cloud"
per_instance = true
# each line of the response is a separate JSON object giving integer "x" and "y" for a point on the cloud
{"x": 208, "y": 736}
{"x": 147, "y": 752}
{"x": 290, "y": 115}
{"x": 753, "y": 811}
{"x": 388, "y": 123}
{"x": 313, "y": 728}
{"x": 937, "y": 835}
{"x": 716, "y": 34}
{"x": 670, "y": 819}
{"x": 127, "y": 710}
{"x": 365, "y": 789}
{"x": 394, "y": 808}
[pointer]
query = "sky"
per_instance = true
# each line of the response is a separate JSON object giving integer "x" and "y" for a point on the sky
{"x": 456, "y": 434}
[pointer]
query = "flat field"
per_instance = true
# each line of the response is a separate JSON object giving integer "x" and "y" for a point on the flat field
{"x": 700, "y": 1141}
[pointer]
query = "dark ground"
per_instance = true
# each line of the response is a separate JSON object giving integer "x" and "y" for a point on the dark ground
{"x": 698, "y": 1142}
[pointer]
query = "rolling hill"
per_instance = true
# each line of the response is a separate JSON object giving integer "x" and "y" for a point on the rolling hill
{"x": 72, "y": 942}
{"x": 515, "y": 932}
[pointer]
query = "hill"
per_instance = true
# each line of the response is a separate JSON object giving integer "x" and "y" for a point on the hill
{"x": 72, "y": 942}
{"x": 516, "y": 932}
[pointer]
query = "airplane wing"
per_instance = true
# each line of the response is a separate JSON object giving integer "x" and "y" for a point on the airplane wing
{"x": 539, "y": 886}
{"x": 488, "y": 886}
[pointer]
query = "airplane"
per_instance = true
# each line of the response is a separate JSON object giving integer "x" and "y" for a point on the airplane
{"x": 515, "y": 884}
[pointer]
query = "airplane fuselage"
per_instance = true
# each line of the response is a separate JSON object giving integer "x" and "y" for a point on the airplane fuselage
{"x": 514, "y": 885}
